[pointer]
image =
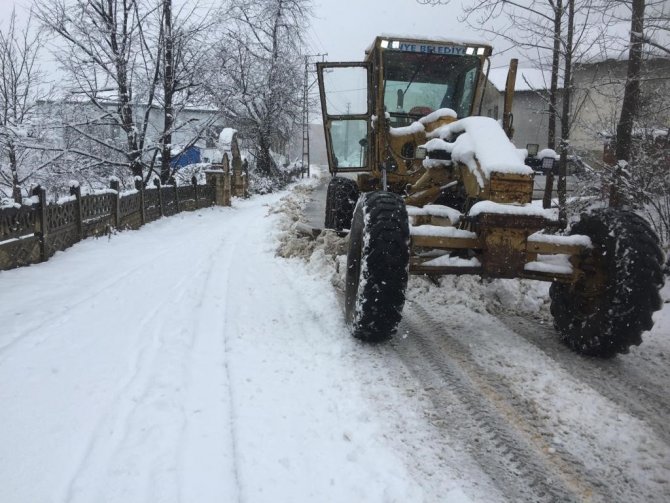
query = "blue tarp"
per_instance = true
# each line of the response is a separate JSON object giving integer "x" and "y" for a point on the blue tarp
{"x": 189, "y": 156}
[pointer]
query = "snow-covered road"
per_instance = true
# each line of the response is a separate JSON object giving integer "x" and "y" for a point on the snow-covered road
{"x": 186, "y": 362}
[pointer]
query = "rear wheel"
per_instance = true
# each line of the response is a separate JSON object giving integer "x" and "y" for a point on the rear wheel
{"x": 340, "y": 202}
{"x": 377, "y": 266}
{"x": 607, "y": 310}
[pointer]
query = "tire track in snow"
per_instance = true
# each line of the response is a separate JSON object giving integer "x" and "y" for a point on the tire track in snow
{"x": 584, "y": 425}
{"x": 130, "y": 395}
{"x": 226, "y": 350}
{"x": 171, "y": 354}
{"x": 223, "y": 270}
{"x": 60, "y": 318}
{"x": 512, "y": 447}
{"x": 613, "y": 379}
{"x": 202, "y": 320}
{"x": 111, "y": 421}
{"x": 231, "y": 315}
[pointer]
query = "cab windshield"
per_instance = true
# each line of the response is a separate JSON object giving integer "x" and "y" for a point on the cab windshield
{"x": 416, "y": 84}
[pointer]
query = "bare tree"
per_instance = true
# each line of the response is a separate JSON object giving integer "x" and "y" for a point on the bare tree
{"x": 642, "y": 139}
{"x": 167, "y": 51}
{"x": 103, "y": 40}
{"x": 183, "y": 49}
{"x": 259, "y": 72}
{"x": 24, "y": 146}
{"x": 631, "y": 106}
{"x": 631, "y": 97}
{"x": 126, "y": 61}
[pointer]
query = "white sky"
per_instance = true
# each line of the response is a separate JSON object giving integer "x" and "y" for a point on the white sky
{"x": 344, "y": 28}
{"x": 6, "y": 8}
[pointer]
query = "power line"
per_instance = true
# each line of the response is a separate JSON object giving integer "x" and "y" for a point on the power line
{"x": 315, "y": 36}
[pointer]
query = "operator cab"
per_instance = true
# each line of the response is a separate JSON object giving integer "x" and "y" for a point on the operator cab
{"x": 400, "y": 81}
{"x": 418, "y": 83}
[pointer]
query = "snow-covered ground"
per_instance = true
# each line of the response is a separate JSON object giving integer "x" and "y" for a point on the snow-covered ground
{"x": 191, "y": 361}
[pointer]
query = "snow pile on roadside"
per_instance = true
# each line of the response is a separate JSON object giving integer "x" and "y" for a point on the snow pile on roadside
{"x": 323, "y": 252}
{"x": 326, "y": 253}
{"x": 481, "y": 295}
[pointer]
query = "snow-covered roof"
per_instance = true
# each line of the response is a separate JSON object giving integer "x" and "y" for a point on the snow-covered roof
{"x": 527, "y": 79}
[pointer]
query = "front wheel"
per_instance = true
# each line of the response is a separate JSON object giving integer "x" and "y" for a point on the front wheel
{"x": 341, "y": 199}
{"x": 377, "y": 266}
{"x": 608, "y": 308}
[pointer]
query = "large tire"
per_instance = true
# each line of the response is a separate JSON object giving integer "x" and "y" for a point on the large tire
{"x": 377, "y": 266}
{"x": 341, "y": 199}
{"x": 607, "y": 310}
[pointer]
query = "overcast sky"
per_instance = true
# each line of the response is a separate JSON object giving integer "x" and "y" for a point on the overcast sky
{"x": 344, "y": 28}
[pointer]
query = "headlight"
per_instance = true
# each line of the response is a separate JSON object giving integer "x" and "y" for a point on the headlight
{"x": 420, "y": 153}
{"x": 548, "y": 164}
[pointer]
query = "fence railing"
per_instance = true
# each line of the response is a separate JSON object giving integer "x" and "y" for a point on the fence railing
{"x": 33, "y": 233}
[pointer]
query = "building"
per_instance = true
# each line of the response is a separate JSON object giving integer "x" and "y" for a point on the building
{"x": 596, "y": 102}
{"x": 599, "y": 89}
{"x": 80, "y": 122}
{"x": 530, "y": 109}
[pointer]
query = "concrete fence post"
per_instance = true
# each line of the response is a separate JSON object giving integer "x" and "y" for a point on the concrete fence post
{"x": 176, "y": 197}
{"x": 245, "y": 173}
{"x": 115, "y": 184}
{"x": 75, "y": 190}
{"x": 227, "y": 191}
{"x": 41, "y": 227}
{"x": 139, "y": 185}
{"x": 194, "y": 182}
{"x": 157, "y": 184}
{"x": 216, "y": 178}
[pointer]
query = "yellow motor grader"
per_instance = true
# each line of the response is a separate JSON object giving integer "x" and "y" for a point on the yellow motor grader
{"x": 441, "y": 190}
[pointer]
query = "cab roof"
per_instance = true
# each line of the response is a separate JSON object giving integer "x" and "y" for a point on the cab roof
{"x": 424, "y": 44}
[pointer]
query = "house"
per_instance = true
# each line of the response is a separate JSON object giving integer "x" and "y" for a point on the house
{"x": 85, "y": 122}
{"x": 599, "y": 89}
{"x": 596, "y": 102}
{"x": 530, "y": 108}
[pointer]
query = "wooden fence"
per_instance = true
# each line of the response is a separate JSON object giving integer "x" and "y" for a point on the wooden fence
{"x": 33, "y": 233}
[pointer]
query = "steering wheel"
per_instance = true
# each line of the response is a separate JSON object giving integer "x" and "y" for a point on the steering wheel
{"x": 420, "y": 111}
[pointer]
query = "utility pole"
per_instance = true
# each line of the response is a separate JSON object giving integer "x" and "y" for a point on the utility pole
{"x": 305, "y": 111}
